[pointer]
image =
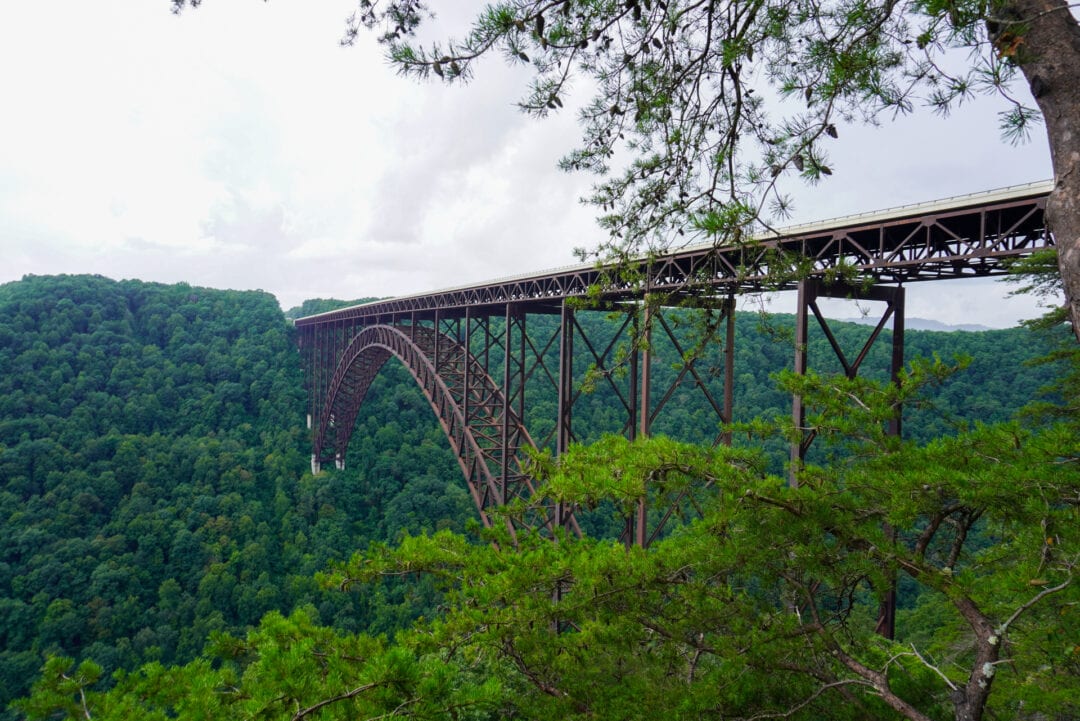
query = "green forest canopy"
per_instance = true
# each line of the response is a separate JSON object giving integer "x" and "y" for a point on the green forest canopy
{"x": 154, "y": 495}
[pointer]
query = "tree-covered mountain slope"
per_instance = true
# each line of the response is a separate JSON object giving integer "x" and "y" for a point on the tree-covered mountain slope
{"x": 154, "y": 476}
{"x": 153, "y": 451}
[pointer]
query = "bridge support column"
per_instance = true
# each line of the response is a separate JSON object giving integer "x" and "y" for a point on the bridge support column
{"x": 515, "y": 374}
{"x": 729, "y": 369}
{"x": 810, "y": 290}
{"x": 509, "y": 371}
{"x": 566, "y": 379}
{"x": 564, "y": 432}
{"x": 650, "y": 326}
{"x": 316, "y": 467}
{"x": 641, "y": 530}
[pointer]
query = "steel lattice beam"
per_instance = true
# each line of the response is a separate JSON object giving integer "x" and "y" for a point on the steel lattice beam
{"x": 473, "y": 353}
{"x": 971, "y": 237}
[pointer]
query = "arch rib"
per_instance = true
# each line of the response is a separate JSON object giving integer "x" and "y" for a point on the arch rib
{"x": 480, "y": 452}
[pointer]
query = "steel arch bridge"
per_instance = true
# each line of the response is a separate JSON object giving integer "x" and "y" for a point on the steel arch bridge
{"x": 484, "y": 433}
{"x": 473, "y": 350}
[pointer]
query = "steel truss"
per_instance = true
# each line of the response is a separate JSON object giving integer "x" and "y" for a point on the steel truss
{"x": 972, "y": 238}
{"x": 474, "y": 367}
{"x": 474, "y": 353}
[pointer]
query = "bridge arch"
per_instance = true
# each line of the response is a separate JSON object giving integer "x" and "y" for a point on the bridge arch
{"x": 488, "y": 461}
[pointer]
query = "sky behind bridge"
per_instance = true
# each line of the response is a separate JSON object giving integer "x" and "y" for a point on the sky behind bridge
{"x": 238, "y": 146}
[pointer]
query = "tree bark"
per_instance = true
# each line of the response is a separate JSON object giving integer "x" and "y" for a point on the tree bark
{"x": 969, "y": 700}
{"x": 1049, "y": 57}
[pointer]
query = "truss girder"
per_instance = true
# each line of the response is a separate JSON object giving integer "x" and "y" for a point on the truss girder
{"x": 957, "y": 242}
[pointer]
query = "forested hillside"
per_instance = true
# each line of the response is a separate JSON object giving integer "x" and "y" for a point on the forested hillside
{"x": 152, "y": 449}
{"x": 154, "y": 476}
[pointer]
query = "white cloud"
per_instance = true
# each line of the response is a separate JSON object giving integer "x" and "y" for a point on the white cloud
{"x": 239, "y": 146}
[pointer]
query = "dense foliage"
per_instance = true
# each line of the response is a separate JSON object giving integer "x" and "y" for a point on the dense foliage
{"x": 152, "y": 449}
{"x": 762, "y": 608}
{"x": 155, "y": 493}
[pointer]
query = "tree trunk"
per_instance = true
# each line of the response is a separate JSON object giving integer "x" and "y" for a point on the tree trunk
{"x": 969, "y": 700}
{"x": 1050, "y": 60}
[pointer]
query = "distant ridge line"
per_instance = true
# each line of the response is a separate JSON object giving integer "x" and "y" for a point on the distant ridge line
{"x": 926, "y": 324}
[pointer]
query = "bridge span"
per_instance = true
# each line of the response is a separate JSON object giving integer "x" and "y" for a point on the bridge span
{"x": 473, "y": 353}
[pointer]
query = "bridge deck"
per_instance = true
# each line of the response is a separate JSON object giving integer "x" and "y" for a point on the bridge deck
{"x": 962, "y": 236}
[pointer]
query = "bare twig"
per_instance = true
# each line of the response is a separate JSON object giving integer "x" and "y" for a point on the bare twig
{"x": 342, "y": 697}
{"x": 1038, "y": 597}
{"x": 932, "y": 667}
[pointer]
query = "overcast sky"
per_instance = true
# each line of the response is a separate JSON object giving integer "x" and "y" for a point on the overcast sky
{"x": 238, "y": 146}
